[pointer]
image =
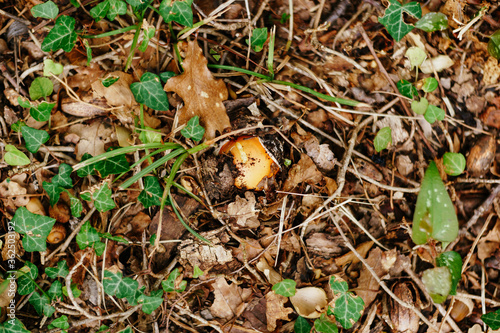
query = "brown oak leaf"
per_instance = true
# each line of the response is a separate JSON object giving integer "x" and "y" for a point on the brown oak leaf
{"x": 202, "y": 94}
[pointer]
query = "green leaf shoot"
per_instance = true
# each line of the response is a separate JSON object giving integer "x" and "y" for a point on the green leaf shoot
{"x": 301, "y": 325}
{"x": 492, "y": 319}
{"x": 63, "y": 177}
{"x": 348, "y": 306}
{"x": 325, "y": 325}
{"x": 150, "y": 92}
{"x": 285, "y": 288}
{"x": 40, "y": 87}
{"x": 55, "y": 290}
{"x": 34, "y": 138}
{"x": 75, "y": 206}
{"x": 60, "y": 271}
{"x": 419, "y": 107}
{"x": 116, "y": 7}
{"x": 62, "y": 36}
{"x": 48, "y": 10}
{"x": 87, "y": 236}
{"x": 453, "y": 261}
{"x": 116, "y": 284}
{"x": 150, "y": 303}
{"x": 383, "y": 139}
{"x": 150, "y": 135}
{"x": 42, "y": 111}
{"x": 437, "y": 281}
{"x": 407, "y": 89}
{"x": 99, "y": 11}
{"x": 35, "y": 229}
{"x": 171, "y": 284}
{"x": 434, "y": 215}
{"x": 432, "y": 22}
{"x": 53, "y": 191}
{"x": 454, "y": 163}
{"x": 434, "y": 113}
{"x": 26, "y": 280}
{"x": 193, "y": 129}
{"x": 416, "y": 56}
{"x": 494, "y": 45}
{"x": 15, "y": 157}
{"x": 430, "y": 84}
{"x": 102, "y": 198}
{"x": 50, "y": 67}
{"x": 393, "y": 19}
{"x": 108, "y": 82}
{"x": 41, "y": 303}
{"x": 61, "y": 322}
{"x": 258, "y": 39}
{"x": 197, "y": 272}
{"x": 152, "y": 192}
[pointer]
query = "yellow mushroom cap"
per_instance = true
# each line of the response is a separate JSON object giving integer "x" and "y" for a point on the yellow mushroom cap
{"x": 251, "y": 159}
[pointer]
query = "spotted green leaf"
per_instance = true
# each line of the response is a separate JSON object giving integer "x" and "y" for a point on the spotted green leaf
{"x": 48, "y": 10}
{"x": 40, "y": 87}
{"x": 325, "y": 325}
{"x": 430, "y": 84}
{"x": 41, "y": 303}
{"x": 348, "y": 306}
{"x": 432, "y": 22}
{"x": 138, "y": 5}
{"x": 150, "y": 135}
{"x": 285, "y": 288}
{"x": 259, "y": 37}
{"x": 42, "y": 111}
{"x": 150, "y": 303}
{"x": 416, "y": 56}
{"x": 492, "y": 319}
{"x": 407, "y": 89}
{"x": 26, "y": 280}
{"x": 383, "y": 139}
{"x": 494, "y": 45}
{"x": 454, "y": 163}
{"x": 62, "y": 35}
{"x": 15, "y": 157}
{"x": 393, "y": 19}
{"x": 437, "y": 281}
{"x": 108, "y": 82}
{"x": 178, "y": 11}
{"x": 453, "y": 261}
{"x": 50, "y": 67}
{"x": 34, "y": 138}
{"x": 152, "y": 192}
{"x": 150, "y": 92}
{"x": 193, "y": 129}
{"x": 102, "y": 199}
{"x": 60, "y": 271}
{"x": 434, "y": 113}
{"x": 434, "y": 215}
{"x": 35, "y": 229}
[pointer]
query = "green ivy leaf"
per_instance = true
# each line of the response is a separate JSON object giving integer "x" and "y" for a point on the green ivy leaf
{"x": 127, "y": 330}
{"x": 53, "y": 191}
{"x": 48, "y": 10}
{"x": 42, "y": 111}
{"x": 179, "y": 11}
{"x": 63, "y": 178}
{"x": 108, "y": 82}
{"x": 430, "y": 84}
{"x": 133, "y": 300}
{"x": 23, "y": 102}
{"x": 453, "y": 261}
{"x": 119, "y": 239}
{"x": 393, "y": 19}
{"x": 150, "y": 303}
{"x": 88, "y": 51}
{"x": 437, "y": 281}
{"x": 149, "y": 33}
{"x": 494, "y": 45}
{"x": 50, "y": 67}
{"x": 348, "y": 307}
{"x": 435, "y": 216}
{"x": 416, "y": 56}
{"x": 285, "y": 288}
{"x": 75, "y": 206}
{"x": 112, "y": 166}
{"x": 383, "y": 139}
{"x": 26, "y": 281}
{"x": 74, "y": 289}
{"x": 15, "y": 157}
{"x": 35, "y": 229}
{"x": 434, "y": 113}
{"x": 87, "y": 170}
{"x": 34, "y": 138}
{"x": 152, "y": 193}
{"x": 150, "y": 92}
{"x": 454, "y": 163}
{"x": 433, "y": 22}
{"x": 259, "y": 37}
{"x": 169, "y": 285}
{"x": 87, "y": 236}
{"x": 166, "y": 75}
{"x": 61, "y": 322}
{"x": 138, "y": 5}
{"x": 100, "y": 11}
{"x": 197, "y": 272}
{"x": 325, "y": 325}
{"x": 115, "y": 284}
{"x": 16, "y": 127}
{"x": 492, "y": 319}
{"x": 102, "y": 199}
{"x": 62, "y": 36}
{"x": 41, "y": 303}
{"x": 301, "y": 325}
{"x": 116, "y": 7}
{"x": 407, "y": 89}
{"x": 193, "y": 129}
{"x": 40, "y": 87}
{"x": 150, "y": 135}
{"x": 60, "y": 271}
{"x": 55, "y": 290}
{"x": 419, "y": 107}
{"x": 13, "y": 326}
{"x": 99, "y": 248}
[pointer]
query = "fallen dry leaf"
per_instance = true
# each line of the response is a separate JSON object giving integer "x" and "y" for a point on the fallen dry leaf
{"x": 202, "y": 94}
{"x": 12, "y": 191}
{"x": 244, "y": 211}
{"x": 304, "y": 171}
{"x": 229, "y": 299}
{"x": 275, "y": 309}
{"x": 89, "y": 138}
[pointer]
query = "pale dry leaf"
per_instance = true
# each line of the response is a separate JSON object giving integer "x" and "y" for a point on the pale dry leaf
{"x": 202, "y": 94}
{"x": 490, "y": 243}
{"x": 269, "y": 272}
{"x": 229, "y": 299}
{"x": 13, "y": 193}
{"x": 91, "y": 138}
{"x": 368, "y": 286}
{"x": 398, "y": 132}
{"x": 275, "y": 309}
{"x": 491, "y": 71}
{"x": 244, "y": 211}
{"x": 304, "y": 171}
{"x": 321, "y": 154}
{"x": 203, "y": 255}
{"x": 119, "y": 93}
{"x": 85, "y": 76}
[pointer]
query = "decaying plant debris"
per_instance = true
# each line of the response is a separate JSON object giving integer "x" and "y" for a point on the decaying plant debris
{"x": 345, "y": 106}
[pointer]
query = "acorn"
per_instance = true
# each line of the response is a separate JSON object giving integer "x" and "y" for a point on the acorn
{"x": 57, "y": 234}
{"x": 60, "y": 212}
{"x": 481, "y": 156}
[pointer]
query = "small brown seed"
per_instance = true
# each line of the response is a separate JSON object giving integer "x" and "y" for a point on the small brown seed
{"x": 57, "y": 234}
{"x": 481, "y": 156}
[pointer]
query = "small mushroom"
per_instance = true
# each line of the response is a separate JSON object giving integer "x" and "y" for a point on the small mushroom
{"x": 309, "y": 302}
{"x": 57, "y": 234}
{"x": 253, "y": 161}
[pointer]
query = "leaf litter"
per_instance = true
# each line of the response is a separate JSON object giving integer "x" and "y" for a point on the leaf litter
{"x": 339, "y": 187}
